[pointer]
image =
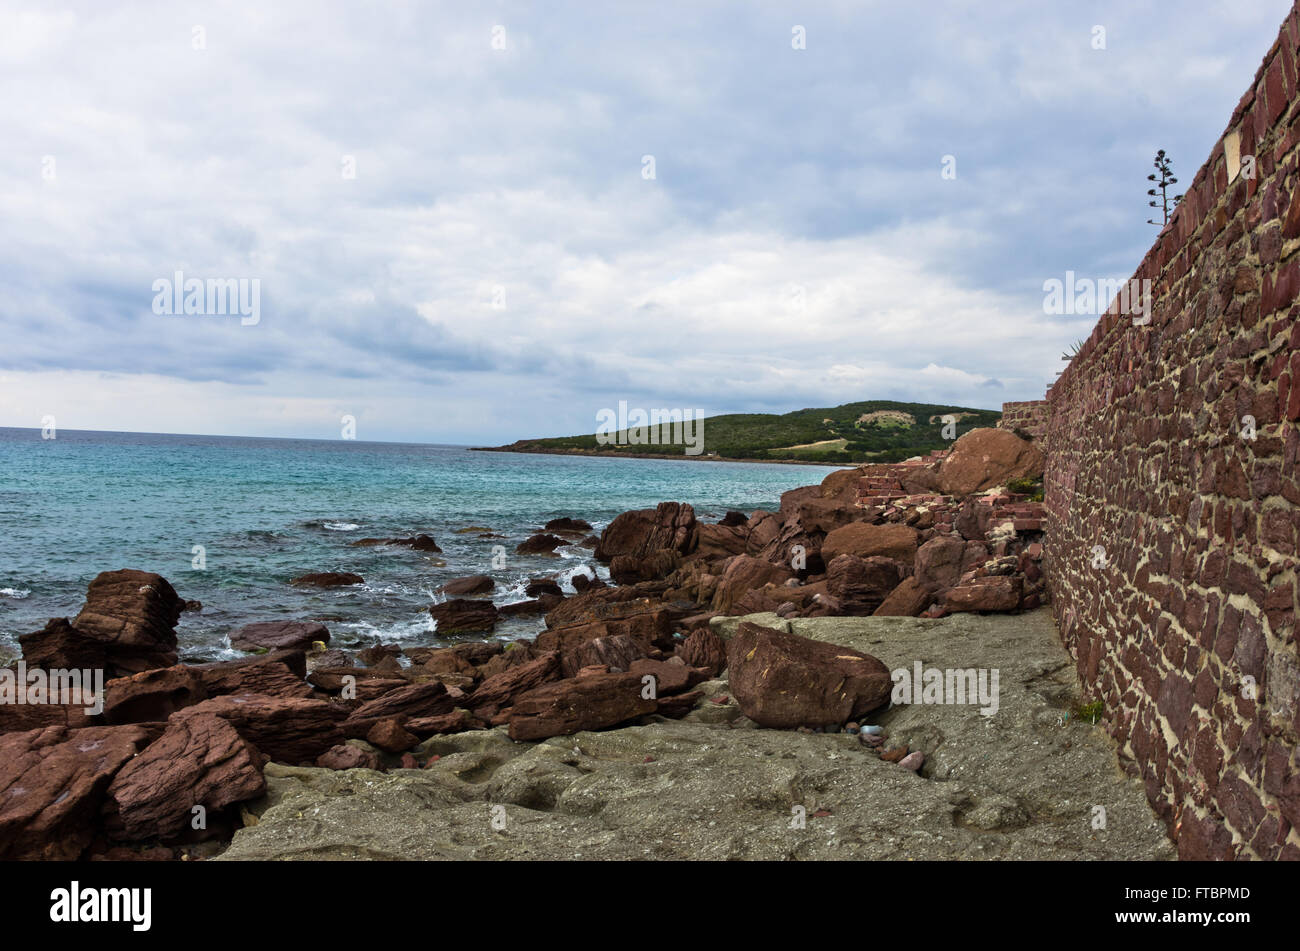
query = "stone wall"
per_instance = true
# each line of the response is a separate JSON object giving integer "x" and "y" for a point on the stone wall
{"x": 1172, "y": 492}
{"x": 1028, "y": 418}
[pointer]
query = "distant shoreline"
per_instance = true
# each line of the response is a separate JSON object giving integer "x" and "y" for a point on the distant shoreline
{"x": 608, "y": 454}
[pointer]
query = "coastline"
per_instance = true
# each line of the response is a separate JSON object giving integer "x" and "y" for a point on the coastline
{"x": 596, "y": 453}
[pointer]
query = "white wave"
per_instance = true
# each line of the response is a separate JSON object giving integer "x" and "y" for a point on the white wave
{"x": 340, "y": 526}
{"x": 16, "y": 593}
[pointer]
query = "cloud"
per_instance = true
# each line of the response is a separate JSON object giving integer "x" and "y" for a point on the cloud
{"x": 498, "y": 266}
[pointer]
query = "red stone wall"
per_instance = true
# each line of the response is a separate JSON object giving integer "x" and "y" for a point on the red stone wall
{"x": 1172, "y": 489}
{"x": 1029, "y": 418}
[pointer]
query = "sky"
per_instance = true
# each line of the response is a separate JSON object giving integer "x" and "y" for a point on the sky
{"x": 473, "y": 223}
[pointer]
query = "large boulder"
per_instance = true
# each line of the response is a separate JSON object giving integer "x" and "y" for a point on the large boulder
{"x": 542, "y": 544}
{"x": 278, "y": 674}
{"x": 153, "y": 695}
{"x": 198, "y": 761}
{"x": 617, "y": 652}
{"x": 470, "y": 584}
{"x": 785, "y": 681}
{"x": 279, "y": 635}
{"x": 287, "y": 729}
{"x": 631, "y": 569}
{"x": 414, "y": 700}
{"x": 134, "y": 614}
{"x": 909, "y": 599}
{"x": 743, "y": 574}
{"x": 328, "y": 579}
{"x": 53, "y": 783}
{"x": 860, "y": 585}
{"x": 464, "y": 614}
{"x": 992, "y": 593}
{"x": 703, "y": 648}
{"x": 719, "y": 541}
{"x": 501, "y": 689}
{"x": 984, "y": 458}
{"x": 593, "y": 702}
{"x": 61, "y": 646}
{"x": 638, "y": 533}
{"x": 865, "y": 540}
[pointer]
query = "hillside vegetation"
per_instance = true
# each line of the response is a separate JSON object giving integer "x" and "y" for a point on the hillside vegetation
{"x": 869, "y": 431}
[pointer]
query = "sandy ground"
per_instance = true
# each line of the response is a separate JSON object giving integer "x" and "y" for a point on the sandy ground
{"x": 1027, "y": 782}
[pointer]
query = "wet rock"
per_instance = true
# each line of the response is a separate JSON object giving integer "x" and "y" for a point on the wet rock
{"x": 543, "y": 544}
{"x": 470, "y": 584}
{"x": 539, "y": 586}
{"x": 575, "y": 526}
{"x": 328, "y": 579}
{"x": 464, "y": 614}
{"x": 279, "y": 635}
{"x": 786, "y": 681}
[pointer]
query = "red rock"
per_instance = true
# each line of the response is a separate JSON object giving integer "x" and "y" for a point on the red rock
{"x": 345, "y": 756}
{"x": 994, "y": 593}
{"x": 279, "y": 674}
{"x": 653, "y": 629}
{"x": 669, "y": 525}
{"x": 568, "y": 706}
{"x": 198, "y": 761}
{"x": 909, "y": 599}
{"x": 895, "y": 755}
{"x": 389, "y": 735}
{"x": 720, "y": 541}
{"x": 677, "y": 706}
{"x": 984, "y": 458}
{"x": 328, "y": 579}
{"x": 464, "y": 614}
{"x": 134, "y": 613}
{"x": 743, "y": 574}
{"x": 631, "y": 569}
{"x": 61, "y": 646}
{"x": 786, "y": 681}
{"x": 501, "y": 690}
{"x": 940, "y": 561}
{"x": 53, "y": 784}
{"x": 458, "y": 721}
{"x": 860, "y": 585}
{"x": 412, "y": 700}
{"x": 540, "y": 586}
{"x": 866, "y": 540}
{"x": 575, "y": 526}
{"x": 152, "y": 694}
{"x": 618, "y": 652}
{"x": 287, "y": 729}
{"x": 279, "y": 635}
{"x": 419, "y": 543}
{"x": 703, "y": 648}
{"x": 470, "y": 584}
{"x": 543, "y": 544}
{"x": 669, "y": 678}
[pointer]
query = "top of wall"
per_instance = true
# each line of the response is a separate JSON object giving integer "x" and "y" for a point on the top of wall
{"x": 1247, "y": 133}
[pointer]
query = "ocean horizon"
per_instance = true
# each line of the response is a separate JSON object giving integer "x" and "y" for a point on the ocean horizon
{"x": 257, "y": 511}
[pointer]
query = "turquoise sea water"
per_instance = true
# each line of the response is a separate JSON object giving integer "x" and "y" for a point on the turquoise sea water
{"x": 267, "y": 510}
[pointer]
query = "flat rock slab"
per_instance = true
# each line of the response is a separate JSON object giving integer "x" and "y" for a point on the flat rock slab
{"x": 1021, "y": 784}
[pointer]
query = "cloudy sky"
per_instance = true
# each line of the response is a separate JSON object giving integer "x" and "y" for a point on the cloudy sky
{"x": 474, "y": 222}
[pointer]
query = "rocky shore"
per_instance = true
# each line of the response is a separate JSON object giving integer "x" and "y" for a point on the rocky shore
{"x": 732, "y": 726}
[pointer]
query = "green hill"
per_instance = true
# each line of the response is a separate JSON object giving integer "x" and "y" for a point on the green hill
{"x": 870, "y": 431}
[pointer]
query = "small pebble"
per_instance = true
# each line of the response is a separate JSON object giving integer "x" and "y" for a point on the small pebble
{"x": 850, "y": 727}
{"x": 871, "y": 740}
{"x": 874, "y": 729}
{"x": 912, "y": 761}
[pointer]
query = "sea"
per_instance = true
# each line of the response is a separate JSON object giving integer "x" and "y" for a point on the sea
{"x": 230, "y": 520}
